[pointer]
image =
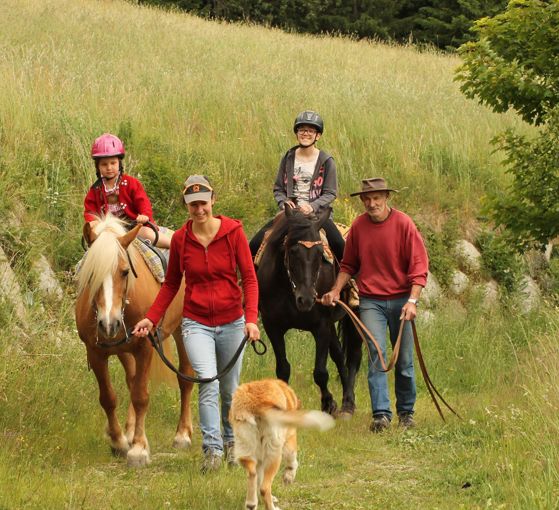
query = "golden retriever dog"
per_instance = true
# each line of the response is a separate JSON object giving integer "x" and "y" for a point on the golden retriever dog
{"x": 265, "y": 416}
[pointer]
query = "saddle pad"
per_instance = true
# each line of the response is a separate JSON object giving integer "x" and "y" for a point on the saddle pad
{"x": 151, "y": 259}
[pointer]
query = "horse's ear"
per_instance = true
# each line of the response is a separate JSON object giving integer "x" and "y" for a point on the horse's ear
{"x": 88, "y": 234}
{"x": 127, "y": 238}
{"x": 289, "y": 211}
{"x": 322, "y": 216}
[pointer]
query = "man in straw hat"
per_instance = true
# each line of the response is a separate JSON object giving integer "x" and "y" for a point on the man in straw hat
{"x": 385, "y": 252}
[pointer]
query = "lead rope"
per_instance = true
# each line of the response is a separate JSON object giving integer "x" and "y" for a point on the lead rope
{"x": 364, "y": 333}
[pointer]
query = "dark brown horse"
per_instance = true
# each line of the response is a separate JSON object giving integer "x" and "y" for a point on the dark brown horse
{"x": 115, "y": 289}
{"x": 291, "y": 275}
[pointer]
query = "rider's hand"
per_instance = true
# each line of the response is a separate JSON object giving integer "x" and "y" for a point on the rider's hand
{"x": 330, "y": 298}
{"x": 142, "y": 328}
{"x": 306, "y": 208}
{"x": 142, "y": 218}
{"x": 289, "y": 203}
{"x": 252, "y": 331}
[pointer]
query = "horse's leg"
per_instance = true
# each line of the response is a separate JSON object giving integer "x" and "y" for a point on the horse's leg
{"x": 138, "y": 455}
{"x": 129, "y": 365}
{"x": 337, "y": 355}
{"x": 323, "y": 338}
{"x": 183, "y": 437}
{"x": 277, "y": 339}
{"x": 352, "y": 347}
{"x": 99, "y": 363}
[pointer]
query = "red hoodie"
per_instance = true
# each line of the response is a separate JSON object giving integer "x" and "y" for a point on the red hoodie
{"x": 212, "y": 295}
{"x": 131, "y": 196}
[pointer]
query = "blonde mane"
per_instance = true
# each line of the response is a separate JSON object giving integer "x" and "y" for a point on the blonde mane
{"x": 103, "y": 255}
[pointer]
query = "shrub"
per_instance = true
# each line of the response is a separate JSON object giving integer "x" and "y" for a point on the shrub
{"x": 500, "y": 259}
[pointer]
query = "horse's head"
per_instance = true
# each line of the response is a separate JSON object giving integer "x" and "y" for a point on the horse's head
{"x": 105, "y": 274}
{"x": 303, "y": 255}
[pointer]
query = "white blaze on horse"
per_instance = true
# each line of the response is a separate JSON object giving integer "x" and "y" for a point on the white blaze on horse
{"x": 115, "y": 290}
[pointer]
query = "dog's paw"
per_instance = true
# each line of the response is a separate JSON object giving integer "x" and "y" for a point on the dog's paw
{"x": 289, "y": 475}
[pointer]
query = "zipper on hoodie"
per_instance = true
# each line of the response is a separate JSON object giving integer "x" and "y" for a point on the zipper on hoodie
{"x": 211, "y": 298}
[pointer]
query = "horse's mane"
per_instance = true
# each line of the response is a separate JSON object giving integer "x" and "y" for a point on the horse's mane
{"x": 102, "y": 258}
{"x": 296, "y": 227}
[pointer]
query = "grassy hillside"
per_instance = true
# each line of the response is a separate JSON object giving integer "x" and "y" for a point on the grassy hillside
{"x": 189, "y": 96}
{"x": 192, "y": 96}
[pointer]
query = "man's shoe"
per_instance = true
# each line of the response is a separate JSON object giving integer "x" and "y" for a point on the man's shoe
{"x": 211, "y": 462}
{"x": 379, "y": 423}
{"x": 406, "y": 421}
{"x": 230, "y": 454}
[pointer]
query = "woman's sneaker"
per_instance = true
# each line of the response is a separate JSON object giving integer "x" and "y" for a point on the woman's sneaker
{"x": 211, "y": 462}
{"x": 379, "y": 423}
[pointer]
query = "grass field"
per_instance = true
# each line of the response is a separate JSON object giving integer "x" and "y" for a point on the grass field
{"x": 502, "y": 455}
{"x": 190, "y": 96}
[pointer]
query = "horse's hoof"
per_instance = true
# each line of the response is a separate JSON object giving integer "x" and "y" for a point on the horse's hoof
{"x": 182, "y": 442}
{"x": 330, "y": 408}
{"x": 138, "y": 457}
{"x": 120, "y": 448}
{"x": 345, "y": 415}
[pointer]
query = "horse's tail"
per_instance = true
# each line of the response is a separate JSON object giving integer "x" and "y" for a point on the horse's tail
{"x": 159, "y": 373}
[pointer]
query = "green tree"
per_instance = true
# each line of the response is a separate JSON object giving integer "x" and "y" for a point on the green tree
{"x": 514, "y": 65}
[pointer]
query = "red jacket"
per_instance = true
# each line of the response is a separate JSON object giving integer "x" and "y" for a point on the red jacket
{"x": 388, "y": 257}
{"x": 212, "y": 295}
{"x": 131, "y": 195}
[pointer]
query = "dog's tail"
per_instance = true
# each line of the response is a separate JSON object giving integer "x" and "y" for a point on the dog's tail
{"x": 305, "y": 419}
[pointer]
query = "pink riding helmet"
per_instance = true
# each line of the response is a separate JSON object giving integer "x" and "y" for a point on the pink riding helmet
{"x": 106, "y": 146}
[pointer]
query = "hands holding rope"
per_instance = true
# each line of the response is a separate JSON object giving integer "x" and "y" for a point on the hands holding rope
{"x": 145, "y": 326}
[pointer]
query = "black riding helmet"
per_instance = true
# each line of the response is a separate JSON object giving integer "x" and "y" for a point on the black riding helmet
{"x": 309, "y": 118}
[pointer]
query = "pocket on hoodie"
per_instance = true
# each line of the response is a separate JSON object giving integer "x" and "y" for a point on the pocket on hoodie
{"x": 199, "y": 298}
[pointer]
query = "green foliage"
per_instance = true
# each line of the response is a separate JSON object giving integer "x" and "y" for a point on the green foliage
{"x": 441, "y": 23}
{"x": 441, "y": 249}
{"x": 447, "y": 23}
{"x": 500, "y": 260}
{"x": 529, "y": 207}
{"x": 513, "y": 64}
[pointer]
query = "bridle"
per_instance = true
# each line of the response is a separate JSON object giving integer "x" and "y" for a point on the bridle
{"x": 127, "y": 338}
{"x": 308, "y": 245}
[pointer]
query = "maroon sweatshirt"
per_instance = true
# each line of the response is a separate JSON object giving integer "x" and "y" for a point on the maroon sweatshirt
{"x": 387, "y": 257}
{"x": 212, "y": 295}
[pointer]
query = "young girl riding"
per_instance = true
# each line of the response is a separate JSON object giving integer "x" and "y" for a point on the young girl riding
{"x": 116, "y": 192}
{"x": 306, "y": 179}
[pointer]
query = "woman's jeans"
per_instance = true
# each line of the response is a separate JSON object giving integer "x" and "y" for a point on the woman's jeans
{"x": 377, "y": 315}
{"x": 209, "y": 350}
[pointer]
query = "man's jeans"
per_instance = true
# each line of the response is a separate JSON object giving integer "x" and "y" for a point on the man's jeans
{"x": 209, "y": 349}
{"x": 377, "y": 315}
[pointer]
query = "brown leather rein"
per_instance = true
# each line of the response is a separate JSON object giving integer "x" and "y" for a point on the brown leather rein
{"x": 365, "y": 334}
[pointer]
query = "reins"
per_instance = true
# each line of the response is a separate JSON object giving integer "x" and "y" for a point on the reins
{"x": 365, "y": 334}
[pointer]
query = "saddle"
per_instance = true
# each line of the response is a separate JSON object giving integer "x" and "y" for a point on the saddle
{"x": 351, "y": 294}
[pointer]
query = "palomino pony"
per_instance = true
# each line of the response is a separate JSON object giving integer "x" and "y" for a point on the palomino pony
{"x": 291, "y": 275}
{"x": 115, "y": 289}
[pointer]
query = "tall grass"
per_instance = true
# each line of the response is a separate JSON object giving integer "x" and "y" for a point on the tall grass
{"x": 220, "y": 99}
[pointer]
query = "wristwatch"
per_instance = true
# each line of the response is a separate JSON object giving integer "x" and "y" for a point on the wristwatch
{"x": 412, "y": 300}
